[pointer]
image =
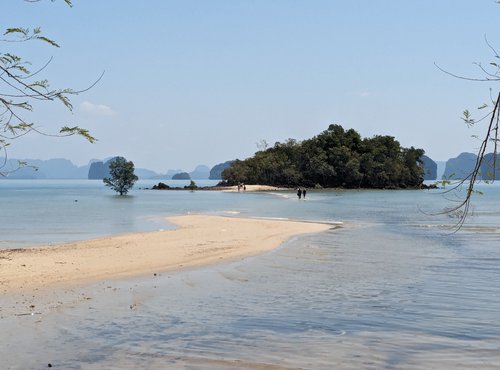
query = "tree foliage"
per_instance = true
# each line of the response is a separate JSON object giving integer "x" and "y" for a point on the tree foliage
{"x": 192, "y": 186}
{"x": 122, "y": 175}
{"x": 490, "y": 113}
{"x": 21, "y": 87}
{"x": 334, "y": 158}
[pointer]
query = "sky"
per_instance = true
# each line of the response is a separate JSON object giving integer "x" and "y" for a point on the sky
{"x": 202, "y": 82}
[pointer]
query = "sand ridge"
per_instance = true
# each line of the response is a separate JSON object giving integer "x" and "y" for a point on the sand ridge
{"x": 199, "y": 240}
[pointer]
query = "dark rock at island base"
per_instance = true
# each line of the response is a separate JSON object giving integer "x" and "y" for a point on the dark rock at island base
{"x": 161, "y": 186}
{"x": 429, "y": 187}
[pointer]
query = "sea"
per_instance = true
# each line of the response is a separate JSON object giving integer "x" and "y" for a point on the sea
{"x": 393, "y": 286}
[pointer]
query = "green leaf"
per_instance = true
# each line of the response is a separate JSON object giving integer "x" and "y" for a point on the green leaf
{"x": 77, "y": 131}
{"x": 47, "y": 40}
{"x": 65, "y": 100}
{"x": 469, "y": 121}
{"x": 43, "y": 83}
{"x": 10, "y": 58}
{"x": 22, "y": 69}
{"x": 23, "y": 31}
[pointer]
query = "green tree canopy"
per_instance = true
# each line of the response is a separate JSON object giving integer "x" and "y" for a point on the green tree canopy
{"x": 334, "y": 158}
{"x": 122, "y": 175}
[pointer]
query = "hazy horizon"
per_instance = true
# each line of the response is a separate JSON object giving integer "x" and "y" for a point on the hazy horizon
{"x": 173, "y": 168}
{"x": 190, "y": 80}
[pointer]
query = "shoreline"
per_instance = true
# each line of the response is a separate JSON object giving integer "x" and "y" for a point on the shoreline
{"x": 270, "y": 188}
{"x": 199, "y": 240}
{"x": 226, "y": 189}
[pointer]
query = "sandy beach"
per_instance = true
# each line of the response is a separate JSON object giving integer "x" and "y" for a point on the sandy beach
{"x": 198, "y": 240}
{"x": 254, "y": 188}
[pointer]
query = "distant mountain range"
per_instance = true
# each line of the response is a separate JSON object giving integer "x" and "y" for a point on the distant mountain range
{"x": 460, "y": 167}
{"x": 60, "y": 168}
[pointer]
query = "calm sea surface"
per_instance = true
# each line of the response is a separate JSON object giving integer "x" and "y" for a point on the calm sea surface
{"x": 392, "y": 288}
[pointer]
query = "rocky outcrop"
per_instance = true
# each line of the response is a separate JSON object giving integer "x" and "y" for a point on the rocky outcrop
{"x": 430, "y": 168}
{"x": 201, "y": 172}
{"x": 460, "y": 167}
{"x": 216, "y": 171}
{"x": 181, "y": 176}
{"x": 99, "y": 170}
{"x": 161, "y": 186}
{"x": 488, "y": 165}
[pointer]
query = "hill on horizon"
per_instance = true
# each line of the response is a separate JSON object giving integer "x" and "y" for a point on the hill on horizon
{"x": 57, "y": 168}
{"x": 460, "y": 166}
{"x": 64, "y": 169}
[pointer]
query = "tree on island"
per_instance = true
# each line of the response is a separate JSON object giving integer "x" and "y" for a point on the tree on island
{"x": 336, "y": 158}
{"x": 21, "y": 87}
{"x": 122, "y": 175}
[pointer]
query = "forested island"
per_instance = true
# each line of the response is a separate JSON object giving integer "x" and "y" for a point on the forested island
{"x": 335, "y": 158}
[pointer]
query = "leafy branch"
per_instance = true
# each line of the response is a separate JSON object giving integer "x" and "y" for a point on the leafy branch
{"x": 491, "y": 136}
{"x": 19, "y": 89}
{"x": 490, "y": 73}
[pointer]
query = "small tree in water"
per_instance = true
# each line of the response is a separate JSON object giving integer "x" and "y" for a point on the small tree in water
{"x": 122, "y": 175}
{"x": 192, "y": 186}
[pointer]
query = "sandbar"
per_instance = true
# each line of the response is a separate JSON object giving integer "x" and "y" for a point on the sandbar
{"x": 198, "y": 240}
{"x": 254, "y": 188}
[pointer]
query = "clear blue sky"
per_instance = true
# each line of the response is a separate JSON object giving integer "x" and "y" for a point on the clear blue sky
{"x": 201, "y": 82}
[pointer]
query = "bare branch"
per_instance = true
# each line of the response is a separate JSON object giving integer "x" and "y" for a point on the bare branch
{"x": 465, "y": 78}
{"x": 491, "y": 47}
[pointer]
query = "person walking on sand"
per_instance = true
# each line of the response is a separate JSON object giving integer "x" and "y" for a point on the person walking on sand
{"x": 299, "y": 193}
{"x": 304, "y": 193}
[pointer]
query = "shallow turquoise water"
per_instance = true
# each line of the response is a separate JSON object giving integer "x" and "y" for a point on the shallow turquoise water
{"x": 53, "y": 211}
{"x": 391, "y": 289}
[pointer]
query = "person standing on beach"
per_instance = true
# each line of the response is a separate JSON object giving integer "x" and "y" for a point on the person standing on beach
{"x": 299, "y": 193}
{"x": 304, "y": 193}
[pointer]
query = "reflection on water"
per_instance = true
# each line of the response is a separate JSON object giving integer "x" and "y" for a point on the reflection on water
{"x": 383, "y": 292}
{"x": 350, "y": 298}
